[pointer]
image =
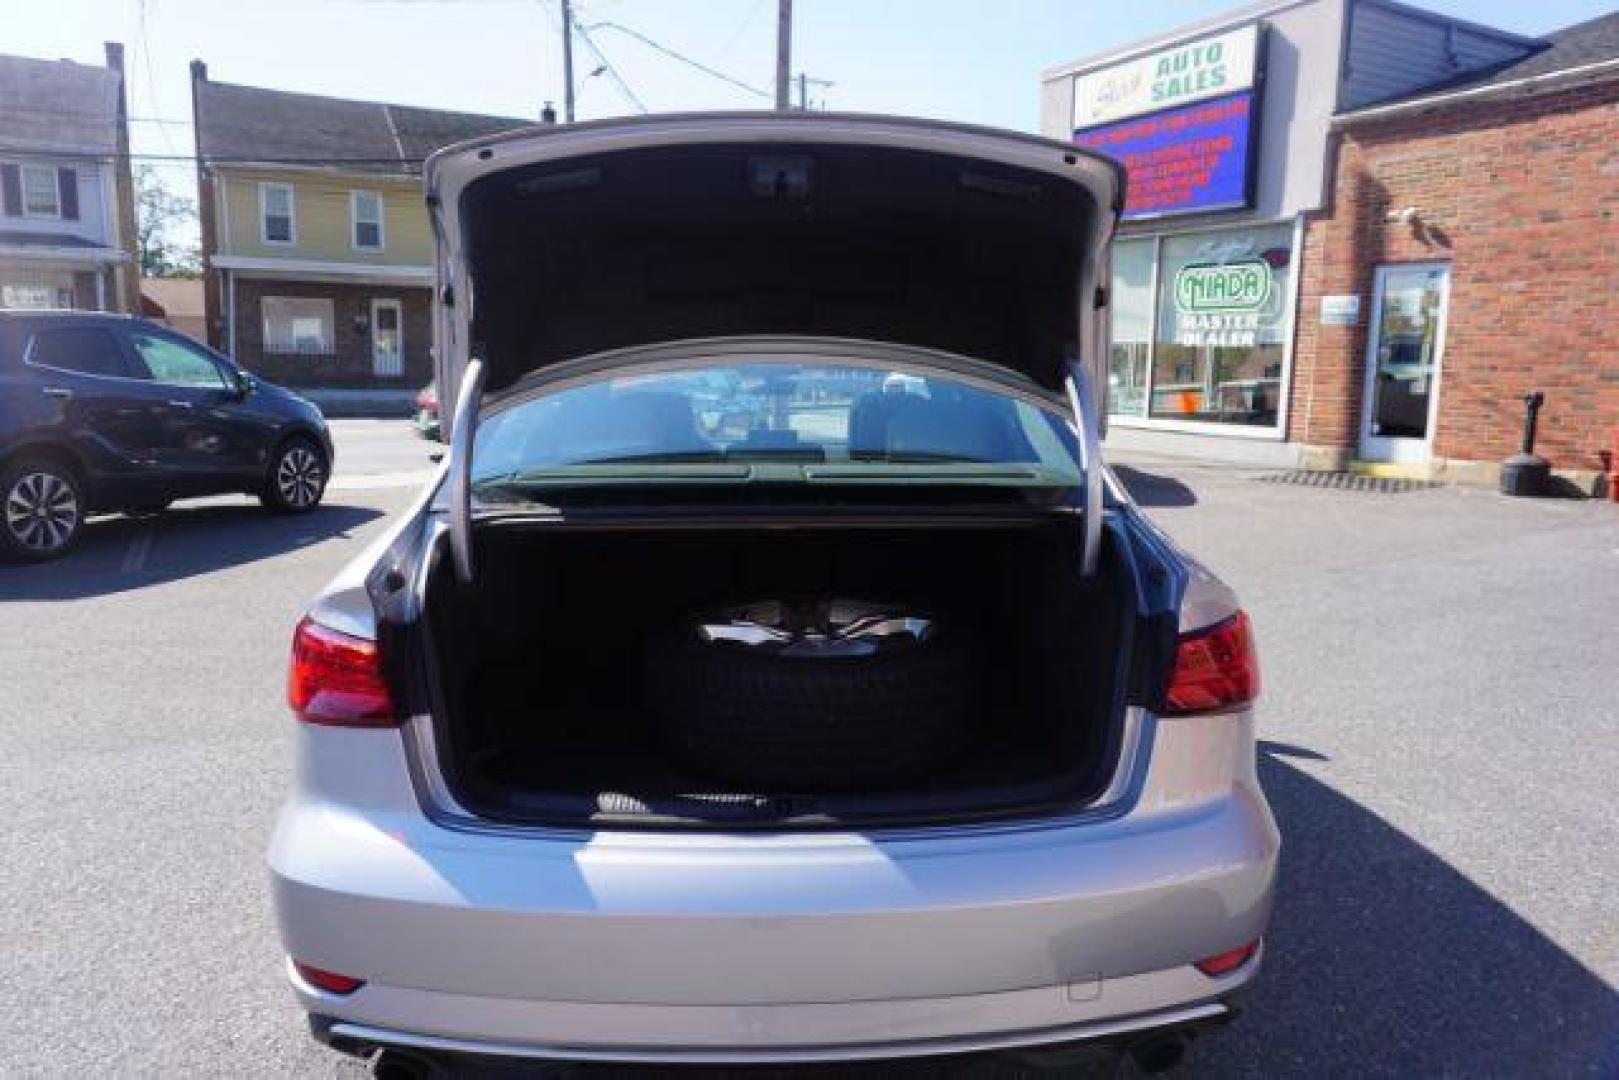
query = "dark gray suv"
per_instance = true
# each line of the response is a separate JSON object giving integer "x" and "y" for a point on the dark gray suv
{"x": 110, "y": 413}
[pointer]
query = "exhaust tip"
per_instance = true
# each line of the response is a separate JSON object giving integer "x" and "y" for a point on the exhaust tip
{"x": 1161, "y": 1054}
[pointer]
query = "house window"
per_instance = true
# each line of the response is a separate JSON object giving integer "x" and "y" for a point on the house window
{"x": 40, "y": 195}
{"x": 299, "y": 325}
{"x": 365, "y": 208}
{"x": 31, "y": 287}
{"x": 275, "y": 213}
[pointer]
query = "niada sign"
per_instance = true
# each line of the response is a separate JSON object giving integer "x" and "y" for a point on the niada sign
{"x": 1179, "y": 75}
{"x": 1237, "y": 286}
{"x": 1223, "y": 305}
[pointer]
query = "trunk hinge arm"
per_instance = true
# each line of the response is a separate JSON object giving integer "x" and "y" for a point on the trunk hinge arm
{"x": 1083, "y": 402}
{"x": 463, "y": 429}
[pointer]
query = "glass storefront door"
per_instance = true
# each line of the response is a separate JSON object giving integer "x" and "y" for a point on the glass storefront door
{"x": 1405, "y": 345}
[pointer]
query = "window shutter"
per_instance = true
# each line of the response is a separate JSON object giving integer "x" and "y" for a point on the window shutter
{"x": 11, "y": 188}
{"x": 67, "y": 187}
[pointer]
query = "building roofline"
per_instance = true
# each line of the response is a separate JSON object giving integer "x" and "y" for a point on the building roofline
{"x": 1238, "y": 16}
{"x": 1441, "y": 19}
{"x": 1529, "y": 86}
{"x": 357, "y": 172}
{"x": 372, "y": 103}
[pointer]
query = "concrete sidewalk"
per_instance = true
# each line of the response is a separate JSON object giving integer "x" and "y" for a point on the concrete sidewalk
{"x": 361, "y": 403}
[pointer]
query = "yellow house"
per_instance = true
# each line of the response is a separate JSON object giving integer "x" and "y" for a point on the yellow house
{"x": 315, "y": 236}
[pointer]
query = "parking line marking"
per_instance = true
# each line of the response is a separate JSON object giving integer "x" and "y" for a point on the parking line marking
{"x": 140, "y": 546}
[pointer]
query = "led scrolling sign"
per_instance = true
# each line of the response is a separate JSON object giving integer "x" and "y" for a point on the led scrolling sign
{"x": 1182, "y": 120}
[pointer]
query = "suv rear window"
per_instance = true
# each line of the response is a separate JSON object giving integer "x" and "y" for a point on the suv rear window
{"x": 85, "y": 349}
{"x": 836, "y": 423}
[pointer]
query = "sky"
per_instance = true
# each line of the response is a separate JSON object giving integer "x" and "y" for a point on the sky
{"x": 972, "y": 61}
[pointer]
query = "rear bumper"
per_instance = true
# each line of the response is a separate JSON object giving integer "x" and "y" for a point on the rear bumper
{"x": 754, "y": 1035}
{"x": 707, "y": 947}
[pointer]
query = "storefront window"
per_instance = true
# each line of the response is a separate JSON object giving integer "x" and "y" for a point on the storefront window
{"x": 1132, "y": 327}
{"x": 1222, "y": 326}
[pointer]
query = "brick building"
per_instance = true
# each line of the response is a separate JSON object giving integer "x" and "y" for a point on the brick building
{"x": 1358, "y": 233}
{"x": 1507, "y": 186}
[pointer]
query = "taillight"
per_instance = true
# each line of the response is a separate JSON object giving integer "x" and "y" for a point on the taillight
{"x": 1216, "y": 667}
{"x": 1228, "y": 961}
{"x": 336, "y": 679}
{"x": 329, "y": 981}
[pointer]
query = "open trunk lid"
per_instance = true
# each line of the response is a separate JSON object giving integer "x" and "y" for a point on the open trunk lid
{"x": 561, "y": 242}
{"x": 558, "y": 243}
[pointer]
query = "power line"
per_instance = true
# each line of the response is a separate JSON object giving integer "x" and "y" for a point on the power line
{"x": 151, "y": 79}
{"x": 684, "y": 59}
{"x": 612, "y": 72}
{"x": 747, "y": 21}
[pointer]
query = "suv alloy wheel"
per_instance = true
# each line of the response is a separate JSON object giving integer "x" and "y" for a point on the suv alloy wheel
{"x": 43, "y": 510}
{"x": 297, "y": 477}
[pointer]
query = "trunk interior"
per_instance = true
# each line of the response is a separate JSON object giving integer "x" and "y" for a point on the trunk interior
{"x": 544, "y": 713}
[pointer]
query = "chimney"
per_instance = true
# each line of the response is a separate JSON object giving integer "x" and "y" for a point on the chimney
{"x": 115, "y": 56}
{"x": 199, "y": 71}
{"x": 548, "y": 115}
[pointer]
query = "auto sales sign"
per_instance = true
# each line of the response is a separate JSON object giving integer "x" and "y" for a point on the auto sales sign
{"x": 1180, "y": 119}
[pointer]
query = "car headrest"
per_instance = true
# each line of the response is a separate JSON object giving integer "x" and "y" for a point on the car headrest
{"x": 625, "y": 424}
{"x": 868, "y": 424}
{"x": 971, "y": 429}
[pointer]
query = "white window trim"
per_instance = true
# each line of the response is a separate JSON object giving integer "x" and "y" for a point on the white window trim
{"x": 354, "y": 222}
{"x": 265, "y": 187}
{"x": 56, "y": 192}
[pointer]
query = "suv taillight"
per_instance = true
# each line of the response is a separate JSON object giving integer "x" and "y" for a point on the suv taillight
{"x": 336, "y": 679}
{"x": 1216, "y": 667}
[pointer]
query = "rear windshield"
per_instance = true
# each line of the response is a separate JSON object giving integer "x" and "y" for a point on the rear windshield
{"x": 808, "y": 423}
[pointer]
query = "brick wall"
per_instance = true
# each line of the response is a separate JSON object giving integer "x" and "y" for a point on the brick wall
{"x": 1522, "y": 199}
{"x": 351, "y": 365}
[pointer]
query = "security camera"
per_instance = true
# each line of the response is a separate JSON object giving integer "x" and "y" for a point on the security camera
{"x": 1406, "y": 215}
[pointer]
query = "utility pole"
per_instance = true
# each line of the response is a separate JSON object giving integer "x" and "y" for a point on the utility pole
{"x": 804, "y": 84}
{"x": 784, "y": 54}
{"x": 567, "y": 60}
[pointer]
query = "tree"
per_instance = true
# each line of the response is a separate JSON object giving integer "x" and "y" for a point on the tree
{"x": 160, "y": 214}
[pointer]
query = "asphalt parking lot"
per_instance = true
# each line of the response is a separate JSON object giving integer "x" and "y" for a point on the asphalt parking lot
{"x": 1441, "y": 746}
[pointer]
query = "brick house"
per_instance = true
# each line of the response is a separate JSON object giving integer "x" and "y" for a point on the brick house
{"x": 317, "y": 252}
{"x": 67, "y": 213}
{"x": 1503, "y": 189}
{"x": 1358, "y": 232}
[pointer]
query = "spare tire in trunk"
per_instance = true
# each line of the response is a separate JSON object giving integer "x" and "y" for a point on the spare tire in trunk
{"x": 815, "y": 696}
